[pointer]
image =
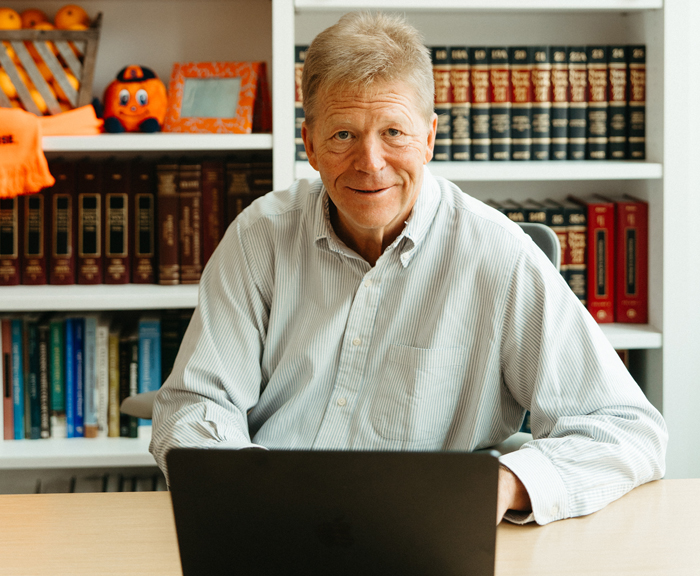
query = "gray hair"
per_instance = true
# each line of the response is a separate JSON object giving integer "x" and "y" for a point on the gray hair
{"x": 362, "y": 50}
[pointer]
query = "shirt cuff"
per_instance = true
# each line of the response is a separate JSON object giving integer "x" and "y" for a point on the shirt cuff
{"x": 544, "y": 485}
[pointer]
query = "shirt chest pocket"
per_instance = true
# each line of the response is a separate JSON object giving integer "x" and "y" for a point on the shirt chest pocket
{"x": 418, "y": 393}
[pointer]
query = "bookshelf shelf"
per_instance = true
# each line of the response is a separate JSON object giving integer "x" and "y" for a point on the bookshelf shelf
{"x": 569, "y": 5}
{"x": 532, "y": 171}
{"x": 632, "y": 336}
{"x": 160, "y": 142}
{"x": 77, "y": 452}
{"x": 99, "y": 297}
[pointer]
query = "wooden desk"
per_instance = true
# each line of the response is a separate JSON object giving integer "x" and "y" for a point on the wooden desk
{"x": 651, "y": 531}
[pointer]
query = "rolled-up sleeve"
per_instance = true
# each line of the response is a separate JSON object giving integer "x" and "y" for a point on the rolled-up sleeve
{"x": 595, "y": 435}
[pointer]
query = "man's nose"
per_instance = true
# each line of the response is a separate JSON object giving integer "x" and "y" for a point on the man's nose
{"x": 370, "y": 155}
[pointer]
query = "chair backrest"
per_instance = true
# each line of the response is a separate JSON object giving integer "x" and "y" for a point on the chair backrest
{"x": 546, "y": 239}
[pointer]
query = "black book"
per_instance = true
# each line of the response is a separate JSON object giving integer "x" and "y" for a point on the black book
{"x": 578, "y": 102}
{"x": 441, "y": 57}
{"x": 299, "y": 58}
{"x": 460, "y": 82}
{"x": 618, "y": 80}
{"x": 521, "y": 60}
{"x": 500, "y": 109}
{"x": 576, "y": 228}
{"x": 541, "y": 102}
{"x": 637, "y": 103}
{"x": 514, "y": 210}
{"x": 556, "y": 221}
{"x": 481, "y": 90}
{"x": 597, "y": 111}
{"x": 560, "y": 104}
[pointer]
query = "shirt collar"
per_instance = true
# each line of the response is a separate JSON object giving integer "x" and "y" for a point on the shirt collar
{"x": 411, "y": 236}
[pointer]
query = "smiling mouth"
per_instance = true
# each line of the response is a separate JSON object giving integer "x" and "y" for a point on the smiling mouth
{"x": 368, "y": 191}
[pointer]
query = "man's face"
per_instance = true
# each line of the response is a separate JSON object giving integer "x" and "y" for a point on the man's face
{"x": 370, "y": 148}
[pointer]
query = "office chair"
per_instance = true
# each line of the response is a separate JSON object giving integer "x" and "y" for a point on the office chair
{"x": 141, "y": 405}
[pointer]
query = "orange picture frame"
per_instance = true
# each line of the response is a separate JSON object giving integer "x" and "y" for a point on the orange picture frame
{"x": 218, "y": 98}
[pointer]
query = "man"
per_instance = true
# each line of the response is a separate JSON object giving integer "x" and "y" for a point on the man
{"x": 381, "y": 308}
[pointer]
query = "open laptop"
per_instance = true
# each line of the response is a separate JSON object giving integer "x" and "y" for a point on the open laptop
{"x": 256, "y": 512}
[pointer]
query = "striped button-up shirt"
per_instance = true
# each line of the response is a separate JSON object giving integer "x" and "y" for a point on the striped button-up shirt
{"x": 461, "y": 325}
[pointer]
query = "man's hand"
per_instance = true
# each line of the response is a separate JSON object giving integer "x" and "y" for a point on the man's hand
{"x": 511, "y": 493}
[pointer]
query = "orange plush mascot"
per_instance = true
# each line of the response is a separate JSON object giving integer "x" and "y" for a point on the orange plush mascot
{"x": 135, "y": 101}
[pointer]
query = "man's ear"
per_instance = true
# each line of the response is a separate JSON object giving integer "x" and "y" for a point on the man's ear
{"x": 432, "y": 131}
{"x": 309, "y": 145}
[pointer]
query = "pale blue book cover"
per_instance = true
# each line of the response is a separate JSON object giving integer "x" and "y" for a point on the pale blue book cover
{"x": 149, "y": 357}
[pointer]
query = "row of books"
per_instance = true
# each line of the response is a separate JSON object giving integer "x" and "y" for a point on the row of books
{"x": 120, "y": 221}
{"x": 604, "y": 250}
{"x": 531, "y": 102}
{"x": 65, "y": 376}
{"x": 540, "y": 102}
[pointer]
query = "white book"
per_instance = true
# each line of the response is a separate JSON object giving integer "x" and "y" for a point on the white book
{"x": 102, "y": 375}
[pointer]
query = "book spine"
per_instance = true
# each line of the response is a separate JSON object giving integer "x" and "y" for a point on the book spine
{"x": 90, "y": 376}
{"x": 113, "y": 407}
{"x": 597, "y": 111}
{"x": 44, "y": 386}
{"x": 34, "y": 226}
{"x": 102, "y": 376}
{"x": 143, "y": 223}
{"x": 124, "y": 388}
{"x": 299, "y": 58}
{"x": 117, "y": 260}
{"x": 170, "y": 341}
{"x": 617, "y": 103}
{"x": 556, "y": 221}
{"x": 79, "y": 373}
{"x": 190, "y": 199}
{"x": 576, "y": 250}
{"x": 631, "y": 270}
{"x": 62, "y": 227}
{"x": 17, "y": 379}
{"x": 578, "y": 102}
{"x": 637, "y": 103}
{"x": 57, "y": 379}
{"x": 90, "y": 220}
{"x": 133, "y": 359}
{"x": 501, "y": 106}
{"x": 460, "y": 85}
{"x": 32, "y": 378}
{"x": 149, "y": 357}
{"x": 6, "y": 366}
{"x": 9, "y": 242}
{"x": 560, "y": 104}
{"x": 521, "y": 60}
{"x": 70, "y": 378}
{"x": 238, "y": 190}
{"x": 600, "y": 298}
{"x": 481, "y": 102}
{"x": 440, "y": 56}
{"x": 29, "y": 390}
{"x": 168, "y": 218}
{"x": 212, "y": 207}
{"x": 541, "y": 103}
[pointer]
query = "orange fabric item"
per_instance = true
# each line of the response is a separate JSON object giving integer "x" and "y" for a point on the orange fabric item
{"x": 23, "y": 166}
{"x": 78, "y": 122}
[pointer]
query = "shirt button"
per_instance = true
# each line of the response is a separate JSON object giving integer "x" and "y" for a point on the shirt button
{"x": 554, "y": 511}
{"x": 356, "y": 342}
{"x": 342, "y": 401}
{"x": 368, "y": 283}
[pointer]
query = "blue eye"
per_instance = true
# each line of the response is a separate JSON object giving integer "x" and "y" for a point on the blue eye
{"x": 142, "y": 97}
{"x": 343, "y": 135}
{"x": 393, "y": 132}
{"x": 124, "y": 97}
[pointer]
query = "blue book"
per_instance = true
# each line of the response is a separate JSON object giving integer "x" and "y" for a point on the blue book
{"x": 17, "y": 379}
{"x": 90, "y": 376}
{"x": 69, "y": 382}
{"x": 149, "y": 357}
{"x": 31, "y": 327}
{"x": 79, "y": 363}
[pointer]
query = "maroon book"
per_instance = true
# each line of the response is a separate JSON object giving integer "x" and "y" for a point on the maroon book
{"x": 238, "y": 188}
{"x": 212, "y": 207}
{"x": 116, "y": 186}
{"x": 89, "y": 222}
{"x": 9, "y": 242}
{"x": 600, "y": 295}
{"x": 168, "y": 224}
{"x": 190, "y": 193}
{"x": 143, "y": 223}
{"x": 61, "y": 197}
{"x": 34, "y": 225}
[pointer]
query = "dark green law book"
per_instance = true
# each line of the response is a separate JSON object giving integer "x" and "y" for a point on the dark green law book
{"x": 618, "y": 80}
{"x": 441, "y": 58}
{"x": 534, "y": 212}
{"x": 481, "y": 102}
{"x": 541, "y": 102}
{"x": 521, "y": 60}
{"x": 560, "y": 104}
{"x": 578, "y": 102}
{"x": 460, "y": 82}
{"x": 500, "y": 109}
{"x": 43, "y": 331}
{"x": 636, "y": 140}
{"x": 575, "y": 216}
{"x": 555, "y": 220}
{"x": 597, "y": 111}
{"x": 514, "y": 210}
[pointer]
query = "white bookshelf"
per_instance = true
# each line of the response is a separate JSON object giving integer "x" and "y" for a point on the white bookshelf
{"x": 503, "y": 5}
